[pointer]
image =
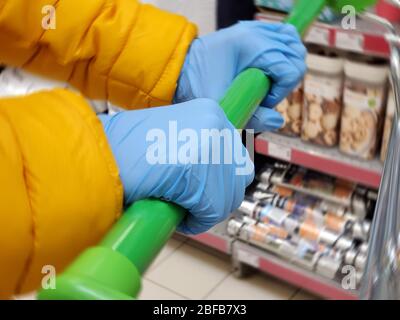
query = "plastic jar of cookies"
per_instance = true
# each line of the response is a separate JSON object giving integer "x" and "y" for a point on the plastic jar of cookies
{"x": 387, "y": 127}
{"x": 364, "y": 99}
{"x": 322, "y": 107}
{"x": 291, "y": 110}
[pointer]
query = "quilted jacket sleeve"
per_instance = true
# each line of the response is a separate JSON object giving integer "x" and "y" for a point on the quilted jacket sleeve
{"x": 120, "y": 50}
{"x": 60, "y": 190}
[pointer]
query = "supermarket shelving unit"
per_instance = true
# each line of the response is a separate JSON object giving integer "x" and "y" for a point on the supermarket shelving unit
{"x": 367, "y": 39}
{"x": 246, "y": 257}
{"x": 326, "y": 160}
{"x": 216, "y": 238}
{"x": 245, "y": 254}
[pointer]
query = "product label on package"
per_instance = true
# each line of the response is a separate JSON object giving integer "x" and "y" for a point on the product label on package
{"x": 324, "y": 87}
{"x": 276, "y": 215}
{"x": 371, "y": 99}
{"x": 360, "y": 120}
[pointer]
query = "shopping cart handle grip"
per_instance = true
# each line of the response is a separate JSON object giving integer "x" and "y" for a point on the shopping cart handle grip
{"x": 112, "y": 270}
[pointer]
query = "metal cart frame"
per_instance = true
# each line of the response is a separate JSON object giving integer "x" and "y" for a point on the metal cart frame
{"x": 381, "y": 278}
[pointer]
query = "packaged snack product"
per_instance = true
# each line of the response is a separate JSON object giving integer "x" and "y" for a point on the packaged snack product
{"x": 291, "y": 110}
{"x": 364, "y": 99}
{"x": 322, "y": 100}
{"x": 311, "y": 256}
{"x": 391, "y": 105}
{"x": 289, "y": 180}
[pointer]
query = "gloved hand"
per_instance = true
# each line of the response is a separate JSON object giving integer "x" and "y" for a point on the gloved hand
{"x": 163, "y": 153}
{"x": 216, "y": 59}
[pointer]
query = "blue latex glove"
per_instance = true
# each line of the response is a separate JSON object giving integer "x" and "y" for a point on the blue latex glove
{"x": 216, "y": 59}
{"x": 210, "y": 192}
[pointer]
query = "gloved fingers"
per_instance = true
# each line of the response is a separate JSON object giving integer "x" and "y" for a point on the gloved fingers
{"x": 199, "y": 222}
{"x": 275, "y": 40}
{"x": 265, "y": 119}
{"x": 277, "y": 94}
{"x": 192, "y": 226}
{"x": 285, "y": 74}
{"x": 290, "y": 48}
{"x": 212, "y": 207}
{"x": 276, "y": 51}
{"x": 299, "y": 48}
{"x": 225, "y": 193}
{"x": 281, "y": 32}
{"x": 275, "y": 27}
{"x": 285, "y": 39}
{"x": 286, "y": 33}
{"x": 290, "y": 29}
{"x": 283, "y": 69}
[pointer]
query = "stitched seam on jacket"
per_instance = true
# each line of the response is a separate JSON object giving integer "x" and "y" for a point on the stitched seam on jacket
{"x": 109, "y": 78}
{"x": 89, "y": 61}
{"x": 39, "y": 48}
{"x": 123, "y": 47}
{"x": 31, "y": 254}
{"x": 138, "y": 90}
{"x": 88, "y": 116}
{"x": 173, "y": 53}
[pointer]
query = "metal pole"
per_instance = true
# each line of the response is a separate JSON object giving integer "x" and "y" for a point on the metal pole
{"x": 381, "y": 278}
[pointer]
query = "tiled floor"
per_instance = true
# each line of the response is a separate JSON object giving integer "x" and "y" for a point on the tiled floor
{"x": 182, "y": 271}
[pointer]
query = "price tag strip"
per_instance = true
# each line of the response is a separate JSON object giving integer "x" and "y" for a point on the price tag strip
{"x": 350, "y": 41}
{"x": 248, "y": 258}
{"x": 279, "y": 151}
{"x": 318, "y": 35}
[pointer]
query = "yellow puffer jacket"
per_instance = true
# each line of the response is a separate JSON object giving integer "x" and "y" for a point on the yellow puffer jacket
{"x": 59, "y": 185}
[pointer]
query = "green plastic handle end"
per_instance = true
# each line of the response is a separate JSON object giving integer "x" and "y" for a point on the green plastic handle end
{"x": 99, "y": 273}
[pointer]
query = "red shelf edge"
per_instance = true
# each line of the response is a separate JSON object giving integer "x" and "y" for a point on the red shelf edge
{"x": 212, "y": 241}
{"x": 279, "y": 271}
{"x": 308, "y": 283}
{"x": 328, "y": 166}
{"x": 373, "y": 43}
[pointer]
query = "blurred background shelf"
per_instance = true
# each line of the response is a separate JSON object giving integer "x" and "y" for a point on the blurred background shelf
{"x": 366, "y": 39}
{"x": 216, "y": 238}
{"x": 268, "y": 263}
{"x": 326, "y": 160}
{"x": 245, "y": 255}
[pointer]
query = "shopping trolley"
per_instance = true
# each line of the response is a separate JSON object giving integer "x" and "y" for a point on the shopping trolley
{"x": 112, "y": 270}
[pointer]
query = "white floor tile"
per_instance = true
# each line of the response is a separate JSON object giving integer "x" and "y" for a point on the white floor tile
{"x": 254, "y": 287}
{"x": 303, "y": 295}
{"x": 190, "y": 272}
{"x": 152, "y": 291}
{"x": 169, "y": 248}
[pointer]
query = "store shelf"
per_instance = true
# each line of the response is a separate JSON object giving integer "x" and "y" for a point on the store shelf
{"x": 266, "y": 262}
{"x": 326, "y": 160}
{"x": 215, "y": 238}
{"x": 281, "y": 269}
{"x": 367, "y": 38}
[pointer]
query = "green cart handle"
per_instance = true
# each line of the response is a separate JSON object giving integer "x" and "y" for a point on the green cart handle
{"x": 113, "y": 269}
